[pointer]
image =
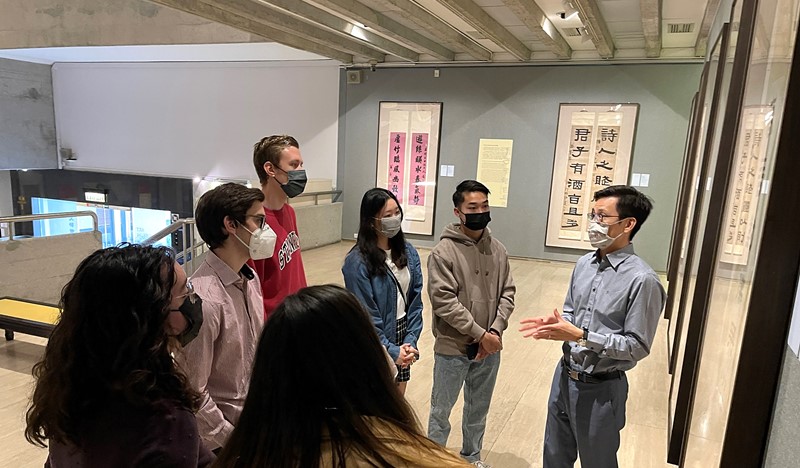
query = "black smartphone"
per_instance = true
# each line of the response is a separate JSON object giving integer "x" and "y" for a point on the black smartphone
{"x": 472, "y": 351}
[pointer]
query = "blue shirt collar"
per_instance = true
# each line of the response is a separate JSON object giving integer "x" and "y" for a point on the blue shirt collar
{"x": 615, "y": 258}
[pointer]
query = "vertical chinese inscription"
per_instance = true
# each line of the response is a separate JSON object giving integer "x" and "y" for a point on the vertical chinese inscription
{"x": 419, "y": 168}
{"x": 577, "y": 173}
{"x": 397, "y": 153}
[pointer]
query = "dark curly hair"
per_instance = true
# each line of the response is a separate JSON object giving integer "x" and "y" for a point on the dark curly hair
{"x": 109, "y": 344}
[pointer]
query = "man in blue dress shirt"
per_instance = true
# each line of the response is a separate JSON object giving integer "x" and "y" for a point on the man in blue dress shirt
{"x": 610, "y": 318}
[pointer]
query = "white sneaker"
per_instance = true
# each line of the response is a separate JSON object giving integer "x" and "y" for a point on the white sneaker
{"x": 481, "y": 464}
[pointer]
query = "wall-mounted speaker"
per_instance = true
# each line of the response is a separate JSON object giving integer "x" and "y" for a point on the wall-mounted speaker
{"x": 354, "y": 76}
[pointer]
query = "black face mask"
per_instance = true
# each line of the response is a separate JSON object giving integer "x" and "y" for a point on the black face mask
{"x": 296, "y": 183}
{"x": 192, "y": 310}
{"x": 476, "y": 221}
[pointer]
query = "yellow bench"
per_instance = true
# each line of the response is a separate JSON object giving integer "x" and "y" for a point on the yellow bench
{"x": 29, "y": 317}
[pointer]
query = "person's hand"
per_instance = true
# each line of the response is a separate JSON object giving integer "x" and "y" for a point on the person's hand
{"x": 552, "y": 327}
{"x": 533, "y": 324}
{"x": 414, "y": 354}
{"x": 490, "y": 343}
{"x": 405, "y": 358}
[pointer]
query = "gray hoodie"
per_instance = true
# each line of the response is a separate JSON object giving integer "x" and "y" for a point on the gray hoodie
{"x": 470, "y": 287}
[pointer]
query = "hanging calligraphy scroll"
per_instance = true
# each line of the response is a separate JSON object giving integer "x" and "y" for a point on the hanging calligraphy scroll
{"x": 746, "y": 184}
{"x": 408, "y": 156}
{"x": 594, "y": 144}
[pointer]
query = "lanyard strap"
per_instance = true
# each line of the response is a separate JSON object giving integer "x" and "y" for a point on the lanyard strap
{"x": 399, "y": 288}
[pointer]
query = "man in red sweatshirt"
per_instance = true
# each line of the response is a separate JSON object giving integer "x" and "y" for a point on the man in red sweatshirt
{"x": 279, "y": 166}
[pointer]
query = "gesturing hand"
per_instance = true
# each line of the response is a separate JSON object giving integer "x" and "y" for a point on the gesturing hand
{"x": 550, "y": 327}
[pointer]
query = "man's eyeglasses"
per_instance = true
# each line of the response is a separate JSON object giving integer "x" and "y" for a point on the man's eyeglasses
{"x": 599, "y": 217}
{"x": 261, "y": 220}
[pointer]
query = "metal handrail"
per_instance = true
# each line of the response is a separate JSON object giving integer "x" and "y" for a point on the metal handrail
{"x": 10, "y": 220}
{"x": 172, "y": 228}
{"x": 190, "y": 248}
{"x": 316, "y": 195}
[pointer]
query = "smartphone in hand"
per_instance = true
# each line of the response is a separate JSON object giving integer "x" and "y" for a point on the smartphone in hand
{"x": 472, "y": 351}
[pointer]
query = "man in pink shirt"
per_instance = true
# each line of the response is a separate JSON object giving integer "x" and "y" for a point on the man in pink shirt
{"x": 279, "y": 166}
{"x": 231, "y": 221}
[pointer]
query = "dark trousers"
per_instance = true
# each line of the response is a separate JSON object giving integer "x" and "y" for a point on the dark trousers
{"x": 584, "y": 419}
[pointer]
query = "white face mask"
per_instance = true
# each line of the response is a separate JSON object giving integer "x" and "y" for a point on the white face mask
{"x": 598, "y": 234}
{"x": 390, "y": 226}
{"x": 262, "y": 242}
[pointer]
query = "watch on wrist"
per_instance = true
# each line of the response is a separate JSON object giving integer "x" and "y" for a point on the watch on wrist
{"x": 582, "y": 340}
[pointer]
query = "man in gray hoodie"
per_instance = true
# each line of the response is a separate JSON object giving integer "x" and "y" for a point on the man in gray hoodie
{"x": 472, "y": 295}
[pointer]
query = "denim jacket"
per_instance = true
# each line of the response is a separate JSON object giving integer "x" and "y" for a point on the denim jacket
{"x": 378, "y": 294}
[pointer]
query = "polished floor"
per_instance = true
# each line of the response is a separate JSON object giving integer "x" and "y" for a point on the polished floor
{"x": 516, "y": 420}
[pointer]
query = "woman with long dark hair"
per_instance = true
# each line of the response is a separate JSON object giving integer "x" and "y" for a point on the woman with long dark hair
{"x": 384, "y": 272}
{"x": 107, "y": 390}
{"x": 321, "y": 394}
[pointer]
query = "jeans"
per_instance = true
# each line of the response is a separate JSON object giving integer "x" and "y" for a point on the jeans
{"x": 478, "y": 379}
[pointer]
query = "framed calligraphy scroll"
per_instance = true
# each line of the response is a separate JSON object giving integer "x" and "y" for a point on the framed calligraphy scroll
{"x": 746, "y": 184}
{"x": 594, "y": 144}
{"x": 408, "y": 158}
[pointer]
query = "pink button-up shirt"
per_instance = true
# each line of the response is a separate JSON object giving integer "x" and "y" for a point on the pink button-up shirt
{"x": 218, "y": 362}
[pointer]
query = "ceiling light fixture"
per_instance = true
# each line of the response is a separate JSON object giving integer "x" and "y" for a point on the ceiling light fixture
{"x": 585, "y": 37}
{"x": 569, "y": 11}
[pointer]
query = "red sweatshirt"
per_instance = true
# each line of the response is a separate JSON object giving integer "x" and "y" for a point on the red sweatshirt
{"x": 283, "y": 273}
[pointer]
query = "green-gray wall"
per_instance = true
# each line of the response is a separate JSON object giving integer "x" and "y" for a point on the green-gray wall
{"x": 521, "y": 103}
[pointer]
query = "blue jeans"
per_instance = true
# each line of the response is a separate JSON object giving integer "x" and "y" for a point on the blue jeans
{"x": 478, "y": 379}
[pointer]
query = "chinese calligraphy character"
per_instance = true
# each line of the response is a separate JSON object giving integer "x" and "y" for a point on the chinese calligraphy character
{"x": 604, "y": 165}
{"x": 580, "y": 150}
{"x": 581, "y": 134}
{"x": 602, "y": 180}
{"x": 575, "y": 184}
{"x": 570, "y": 223}
{"x": 603, "y": 150}
{"x": 608, "y": 134}
{"x": 577, "y": 168}
{"x": 574, "y": 199}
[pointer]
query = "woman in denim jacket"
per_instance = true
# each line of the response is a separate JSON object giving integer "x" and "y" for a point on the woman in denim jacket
{"x": 384, "y": 272}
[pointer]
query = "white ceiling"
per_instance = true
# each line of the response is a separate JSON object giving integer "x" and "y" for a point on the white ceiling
{"x": 286, "y": 30}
